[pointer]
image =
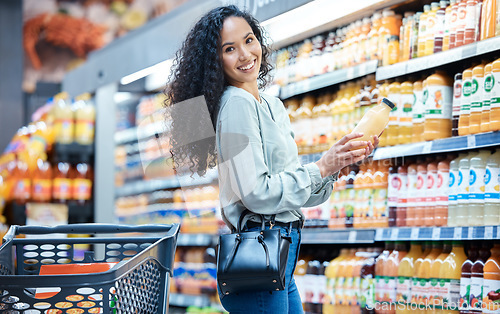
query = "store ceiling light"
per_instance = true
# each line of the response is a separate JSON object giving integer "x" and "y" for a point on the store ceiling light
{"x": 162, "y": 67}
{"x": 290, "y": 25}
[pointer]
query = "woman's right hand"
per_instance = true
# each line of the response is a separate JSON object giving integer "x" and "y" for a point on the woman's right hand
{"x": 343, "y": 153}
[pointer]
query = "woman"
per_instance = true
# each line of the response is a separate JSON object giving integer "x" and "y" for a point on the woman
{"x": 225, "y": 59}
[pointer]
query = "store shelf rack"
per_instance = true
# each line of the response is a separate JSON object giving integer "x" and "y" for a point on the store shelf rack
{"x": 438, "y": 59}
{"x": 148, "y": 186}
{"x": 438, "y": 233}
{"x": 328, "y": 79}
{"x": 140, "y": 133}
{"x": 185, "y": 300}
{"x": 343, "y": 236}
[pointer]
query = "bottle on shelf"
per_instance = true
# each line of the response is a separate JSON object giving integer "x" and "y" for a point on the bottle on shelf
{"x": 422, "y": 31}
{"x": 381, "y": 291}
{"x": 476, "y": 99}
{"x": 62, "y": 183}
{"x": 447, "y": 25}
{"x": 414, "y": 35}
{"x": 442, "y": 192}
{"x": 465, "y": 102}
{"x": 21, "y": 177}
{"x": 431, "y": 28}
{"x": 454, "y": 179}
{"x": 438, "y": 107}
{"x": 405, "y": 114}
{"x": 82, "y": 182}
{"x": 465, "y": 279}
{"x": 477, "y": 187}
{"x": 439, "y": 27}
{"x": 476, "y": 287}
{"x": 457, "y": 96}
{"x": 405, "y": 277}
{"x": 42, "y": 181}
{"x": 491, "y": 191}
{"x": 84, "y": 112}
{"x": 412, "y": 195}
{"x": 402, "y": 201}
{"x": 461, "y": 23}
{"x": 431, "y": 194}
{"x": 420, "y": 200}
{"x": 392, "y": 193}
{"x": 495, "y": 97}
{"x": 418, "y": 112}
{"x": 450, "y": 273}
{"x": 392, "y": 126}
{"x": 491, "y": 281}
{"x": 485, "y": 108}
{"x": 435, "y": 298}
{"x": 471, "y": 22}
{"x": 463, "y": 189}
{"x": 391, "y": 271}
{"x": 383, "y": 93}
{"x": 453, "y": 22}
{"x": 63, "y": 119}
{"x": 488, "y": 19}
{"x": 423, "y": 276}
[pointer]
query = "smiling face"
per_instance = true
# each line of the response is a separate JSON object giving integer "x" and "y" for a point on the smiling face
{"x": 241, "y": 54}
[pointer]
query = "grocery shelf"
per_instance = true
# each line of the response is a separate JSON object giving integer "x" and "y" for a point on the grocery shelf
{"x": 196, "y": 239}
{"x": 139, "y": 133}
{"x": 438, "y": 59}
{"x": 186, "y": 300}
{"x": 146, "y": 186}
{"x": 16, "y": 213}
{"x": 438, "y": 233}
{"x": 328, "y": 79}
{"x": 474, "y": 141}
{"x": 340, "y": 236}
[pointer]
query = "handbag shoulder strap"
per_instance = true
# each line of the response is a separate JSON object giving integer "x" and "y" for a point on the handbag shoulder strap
{"x": 246, "y": 212}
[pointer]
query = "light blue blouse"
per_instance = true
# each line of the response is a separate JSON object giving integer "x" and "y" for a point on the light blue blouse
{"x": 258, "y": 163}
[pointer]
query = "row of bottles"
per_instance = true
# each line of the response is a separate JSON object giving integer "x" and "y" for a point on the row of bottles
{"x": 390, "y": 38}
{"x": 429, "y": 277}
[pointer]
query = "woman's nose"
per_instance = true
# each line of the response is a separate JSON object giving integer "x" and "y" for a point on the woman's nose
{"x": 244, "y": 54}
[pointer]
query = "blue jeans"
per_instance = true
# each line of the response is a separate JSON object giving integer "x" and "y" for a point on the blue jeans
{"x": 285, "y": 301}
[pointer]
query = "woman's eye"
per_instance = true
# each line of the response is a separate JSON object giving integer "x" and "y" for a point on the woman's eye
{"x": 249, "y": 40}
{"x": 229, "y": 49}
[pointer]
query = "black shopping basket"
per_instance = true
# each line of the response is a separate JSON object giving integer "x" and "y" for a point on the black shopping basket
{"x": 138, "y": 282}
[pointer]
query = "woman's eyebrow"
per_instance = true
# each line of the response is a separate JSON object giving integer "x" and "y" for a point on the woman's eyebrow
{"x": 232, "y": 43}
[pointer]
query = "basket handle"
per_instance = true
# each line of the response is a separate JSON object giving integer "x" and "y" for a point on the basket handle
{"x": 92, "y": 228}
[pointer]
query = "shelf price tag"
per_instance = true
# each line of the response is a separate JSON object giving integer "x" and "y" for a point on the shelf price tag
{"x": 471, "y": 141}
{"x": 470, "y": 234}
{"x": 414, "y": 233}
{"x": 379, "y": 233}
{"x": 427, "y": 147}
{"x": 469, "y": 51}
{"x": 199, "y": 239}
{"x": 352, "y": 236}
{"x": 350, "y": 73}
{"x": 362, "y": 69}
{"x": 488, "y": 232}
{"x": 436, "y": 233}
{"x": 394, "y": 234}
{"x": 180, "y": 299}
{"x": 457, "y": 233}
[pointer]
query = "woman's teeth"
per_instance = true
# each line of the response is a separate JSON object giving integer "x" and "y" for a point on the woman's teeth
{"x": 248, "y": 66}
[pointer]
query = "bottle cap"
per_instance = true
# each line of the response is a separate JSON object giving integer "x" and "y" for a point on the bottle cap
{"x": 388, "y": 103}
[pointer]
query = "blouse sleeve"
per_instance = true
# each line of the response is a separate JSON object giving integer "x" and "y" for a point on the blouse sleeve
{"x": 242, "y": 157}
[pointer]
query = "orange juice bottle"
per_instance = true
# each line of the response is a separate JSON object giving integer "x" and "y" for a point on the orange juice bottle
{"x": 495, "y": 97}
{"x": 463, "y": 121}
{"x": 422, "y": 31}
{"x": 331, "y": 273}
{"x": 416, "y": 291}
{"x": 392, "y": 193}
{"x": 488, "y": 19}
{"x": 405, "y": 114}
{"x": 21, "y": 176}
{"x": 380, "y": 185}
{"x": 431, "y": 28}
{"x": 424, "y": 276}
{"x": 402, "y": 201}
{"x": 449, "y": 274}
{"x": 420, "y": 200}
{"x": 491, "y": 282}
{"x": 438, "y": 107}
{"x": 431, "y": 194}
{"x": 84, "y": 120}
{"x": 373, "y": 35}
{"x": 471, "y": 22}
{"x": 64, "y": 119}
{"x": 442, "y": 192}
{"x": 476, "y": 99}
{"x": 392, "y": 126}
{"x": 62, "y": 183}
{"x": 42, "y": 181}
{"x": 461, "y": 22}
{"x": 381, "y": 291}
{"x": 412, "y": 195}
{"x": 367, "y": 274}
{"x": 457, "y": 98}
{"x": 82, "y": 183}
{"x": 375, "y": 120}
{"x": 384, "y": 93}
{"x": 391, "y": 271}
{"x": 418, "y": 113}
{"x": 405, "y": 277}
{"x": 439, "y": 27}
{"x": 487, "y": 87}
{"x": 436, "y": 297}
{"x": 447, "y": 26}
{"x": 453, "y": 22}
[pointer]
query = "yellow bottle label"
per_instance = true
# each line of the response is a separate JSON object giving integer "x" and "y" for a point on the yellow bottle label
{"x": 62, "y": 188}
{"x": 439, "y": 102}
{"x": 42, "y": 189}
{"x": 82, "y": 189}
{"x": 84, "y": 131}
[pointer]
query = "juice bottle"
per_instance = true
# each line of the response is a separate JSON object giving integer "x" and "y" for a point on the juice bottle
{"x": 420, "y": 206}
{"x": 487, "y": 87}
{"x": 491, "y": 281}
{"x": 405, "y": 277}
{"x": 457, "y": 97}
{"x": 431, "y": 194}
{"x": 424, "y": 275}
{"x": 402, "y": 196}
{"x": 418, "y": 113}
{"x": 476, "y": 99}
{"x": 391, "y": 271}
{"x": 392, "y": 193}
{"x": 407, "y": 28}
{"x": 21, "y": 176}
{"x": 64, "y": 119}
{"x": 447, "y": 25}
{"x": 82, "y": 183}
{"x": 470, "y": 22}
{"x": 491, "y": 192}
{"x": 495, "y": 97}
{"x": 374, "y": 121}
{"x": 463, "y": 121}
{"x": 439, "y": 28}
{"x": 488, "y": 19}
{"x": 463, "y": 188}
{"x": 405, "y": 114}
{"x": 383, "y": 92}
{"x": 461, "y": 22}
{"x": 331, "y": 274}
{"x": 416, "y": 292}
{"x": 438, "y": 107}
{"x": 373, "y": 37}
{"x": 350, "y": 196}
{"x": 380, "y": 193}
{"x": 412, "y": 194}
{"x": 431, "y": 29}
{"x": 414, "y": 35}
{"x": 62, "y": 183}
{"x": 299, "y": 273}
{"x": 392, "y": 126}
{"x": 476, "y": 287}
{"x": 442, "y": 192}
{"x": 453, "y": 191}
{"x": 477, "y": 187}
{"x": 453, "y": 22}
{"x": 303, "y": 127}
{"x": 42, "y": 181}
{"x": 465, "y": 279}
{"x": 380, "y": 291}
{"x": 434, "y": 289}
{"x": 422, "y": 31}
{"x": 367, "y": 273}
{"x": 450, "y": 273}
{"x": 84, "y": 120}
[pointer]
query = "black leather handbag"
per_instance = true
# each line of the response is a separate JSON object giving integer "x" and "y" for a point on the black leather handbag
{"x": 252, "y": 260}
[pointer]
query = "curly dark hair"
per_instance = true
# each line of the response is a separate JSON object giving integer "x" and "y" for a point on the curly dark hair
{"x": 197, "y": 71}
